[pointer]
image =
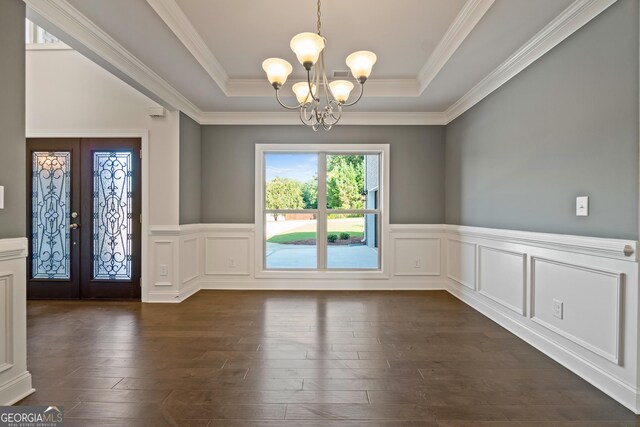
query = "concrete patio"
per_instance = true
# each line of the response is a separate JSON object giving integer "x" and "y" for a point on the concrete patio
{"x": 304, "y": 256}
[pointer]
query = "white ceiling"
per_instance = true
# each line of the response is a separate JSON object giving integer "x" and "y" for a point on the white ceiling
{"x": 435, "y": 57}
{"x": 242, "y": 33}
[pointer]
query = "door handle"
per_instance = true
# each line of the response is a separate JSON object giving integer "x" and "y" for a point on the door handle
{"x": 74, "y": 226}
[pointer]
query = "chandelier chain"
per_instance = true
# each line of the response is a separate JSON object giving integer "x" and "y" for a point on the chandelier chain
{"x": 319, "y": 16}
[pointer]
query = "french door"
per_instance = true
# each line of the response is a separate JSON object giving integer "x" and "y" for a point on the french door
{"x": 84, "y": 209}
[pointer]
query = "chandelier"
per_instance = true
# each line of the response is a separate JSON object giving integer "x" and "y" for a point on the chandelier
{"x": 309, "y": 49}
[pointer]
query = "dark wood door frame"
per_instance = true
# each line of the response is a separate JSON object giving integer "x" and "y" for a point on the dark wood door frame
{"x": 81, "y": 285}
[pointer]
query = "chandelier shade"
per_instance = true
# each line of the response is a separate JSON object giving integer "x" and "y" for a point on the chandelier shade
{"x": 307, "y": 47}
{"x": 277, "y": 70}
{"x": 341, "y": 90}
{"x": 361, "y": 63}
{"x": 303, "y": 95}
{"x": 320, "y": 102}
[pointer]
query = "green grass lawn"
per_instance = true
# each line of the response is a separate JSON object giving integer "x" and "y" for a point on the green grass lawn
{"x": 292, "y": 237}
{"x": 305, "y": 235}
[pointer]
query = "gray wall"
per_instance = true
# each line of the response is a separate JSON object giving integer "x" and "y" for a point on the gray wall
{"x": 12, "y": 107}
{"x": 417, "y": 167}
{"x": 566, "y": 126}
{"x": 190, "y": 170}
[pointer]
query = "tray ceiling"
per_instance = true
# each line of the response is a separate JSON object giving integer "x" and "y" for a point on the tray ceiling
{"x": 435, "y": 57}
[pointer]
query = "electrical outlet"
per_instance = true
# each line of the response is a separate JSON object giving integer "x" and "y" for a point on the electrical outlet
{"x": 416, "y": 263}
{"x": 232, "y": 263}
{"x": 164, "y": 270}
{"x": 557, "y": 308}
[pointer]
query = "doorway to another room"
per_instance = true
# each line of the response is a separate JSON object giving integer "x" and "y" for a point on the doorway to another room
{"x": 84, "y": 221}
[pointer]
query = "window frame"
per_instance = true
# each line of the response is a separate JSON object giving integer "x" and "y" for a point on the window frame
{"x": 321, "y": 271}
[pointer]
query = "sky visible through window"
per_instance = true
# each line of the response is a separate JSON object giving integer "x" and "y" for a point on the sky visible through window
{"x": 300, "y": 167}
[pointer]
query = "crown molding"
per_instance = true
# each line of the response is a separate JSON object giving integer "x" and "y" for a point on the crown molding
{"x": 348, "y": 118}
{"x": 179, "y": 24}
{"x": 471, "y": 13}
{"x": 569, "y": 21}
{"x": 80, "y": 28}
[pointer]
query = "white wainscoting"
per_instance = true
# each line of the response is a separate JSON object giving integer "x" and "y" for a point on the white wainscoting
{"x": 510, "y": 276}
{"x": 591, "y": 304}
{"x": 189, "y": 259}
{"x": 416, "y": 256}
{"x": 501, "y": 277}
{"x": 223, "y": 256}
{"x": 227, "y": 254}
{"x": 461, "y": 262}
{"x": 15, "y": 380}
{"x": 6, "y": 320}
{"x": 520, "y": 274}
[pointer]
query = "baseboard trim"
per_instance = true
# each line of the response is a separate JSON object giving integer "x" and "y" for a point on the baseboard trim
{"x": 189, "y": 291}
{"x": 321, "y": 285}
{"x": 624, "y": 393}
{"x": 175, "y": 297}
{"x": 170, "y": 297}
{"x": 16, "y": 389}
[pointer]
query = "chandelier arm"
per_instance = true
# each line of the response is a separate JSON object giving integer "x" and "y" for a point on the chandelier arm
{"x": 286, "y": 106}
{"x": 332, "y": 114}
{"x": 313, "y": 96}
{"x": 325, "y": 82}
{"x": 307, "y": 120}
{"x": 303, "y": 116}
{"x": 359, "y": 97}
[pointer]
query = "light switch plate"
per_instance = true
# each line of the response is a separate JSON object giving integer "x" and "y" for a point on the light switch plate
{"x": 582, "y": 206}
{"x": 1, "y": 197}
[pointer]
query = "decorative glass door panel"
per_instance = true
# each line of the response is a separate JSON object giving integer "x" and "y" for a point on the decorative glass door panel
{"x": 51, "y": 201}
{"x": 112, "y": 215}
{"x": 84, "y": 218}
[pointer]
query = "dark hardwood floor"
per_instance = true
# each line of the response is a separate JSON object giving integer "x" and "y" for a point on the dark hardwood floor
{"x": 272, "y": 359}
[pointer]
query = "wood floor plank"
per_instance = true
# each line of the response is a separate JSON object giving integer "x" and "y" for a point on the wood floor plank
{"x": 321, "y": 423}
{"x": 307, "y": 364}
{"x": 234, "y": 396}
{"x": 134, "y": 422}
{"x": 329, "y": 373}
{"x": 227, "y": 412}
{"x": 400, "y": 412}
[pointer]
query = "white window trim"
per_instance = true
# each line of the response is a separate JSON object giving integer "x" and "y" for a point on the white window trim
{"x": 260, "y": 232}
